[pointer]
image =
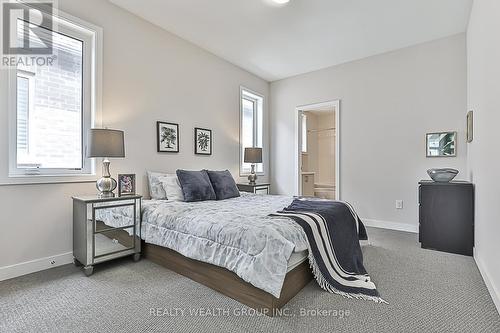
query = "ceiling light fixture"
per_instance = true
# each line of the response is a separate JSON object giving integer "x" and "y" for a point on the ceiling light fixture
{"x": 281, "y": 2}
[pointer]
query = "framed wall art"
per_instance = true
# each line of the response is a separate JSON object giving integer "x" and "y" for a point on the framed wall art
{"x": 167, "y": 137}
{"x": 202, "y": 141}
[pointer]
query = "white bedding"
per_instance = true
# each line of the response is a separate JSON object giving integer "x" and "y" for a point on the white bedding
{"x": 235, "y": 233}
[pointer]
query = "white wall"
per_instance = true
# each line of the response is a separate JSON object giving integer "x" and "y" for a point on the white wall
{"x": 388, "y": 103}
{"x": 149, "y": 75}
{"x": 483, "y": 49}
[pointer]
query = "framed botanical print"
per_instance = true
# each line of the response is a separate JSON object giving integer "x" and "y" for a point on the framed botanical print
{"x": 167, "y": 136}
{"x": 202, "y": 141}
{"x": 126, "y": 184}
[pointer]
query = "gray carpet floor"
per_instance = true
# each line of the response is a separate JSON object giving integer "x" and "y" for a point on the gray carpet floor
{"x": 427, "y": 291}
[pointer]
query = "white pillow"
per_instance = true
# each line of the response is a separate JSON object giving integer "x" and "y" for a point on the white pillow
{"x": 172, "y": 187}
{"x": 156, "y": 190}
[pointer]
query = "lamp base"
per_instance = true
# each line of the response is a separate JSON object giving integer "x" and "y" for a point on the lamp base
{"x": 106, "y": 195}
{"x": 252, "y": 178}
{"x": 106, "y": 186}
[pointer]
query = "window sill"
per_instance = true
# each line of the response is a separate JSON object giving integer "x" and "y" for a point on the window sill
{"x": 46, "y": 179}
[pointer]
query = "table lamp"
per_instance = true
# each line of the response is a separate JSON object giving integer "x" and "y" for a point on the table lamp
{"x": 253, "y": 155}
{"x": 106, "y": 143}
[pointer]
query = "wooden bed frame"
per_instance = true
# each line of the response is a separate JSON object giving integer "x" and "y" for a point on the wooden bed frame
{"x": 222, "y": 279}
{"x": 227, "y": 282}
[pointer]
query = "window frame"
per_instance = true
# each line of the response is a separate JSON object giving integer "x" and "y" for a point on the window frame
{"x": 91, "y": 36}
{"x": 304, "y": 139}
{"x": 254, "y": 97}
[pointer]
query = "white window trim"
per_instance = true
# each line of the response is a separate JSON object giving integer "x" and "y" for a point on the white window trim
{"x": 94, "y": 73}
{"x": 242, "y": 90}
{"x": 304, "y": 140}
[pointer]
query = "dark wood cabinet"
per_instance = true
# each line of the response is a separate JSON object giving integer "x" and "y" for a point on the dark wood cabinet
{"x": 446, "y": 216}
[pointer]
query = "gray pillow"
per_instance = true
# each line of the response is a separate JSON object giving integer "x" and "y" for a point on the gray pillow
{"x": 223, "y": 184}
{"x": 196, "y": 185}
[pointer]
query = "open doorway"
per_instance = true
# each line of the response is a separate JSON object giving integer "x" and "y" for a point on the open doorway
{"x": 318, "y": 145}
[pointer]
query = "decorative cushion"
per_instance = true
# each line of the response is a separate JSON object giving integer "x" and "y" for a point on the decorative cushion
{"x": 196, "y": 185}
{"x": 223, "y": 184}
{"x": 156, "y": 190}
{"x": 172, "y": 187}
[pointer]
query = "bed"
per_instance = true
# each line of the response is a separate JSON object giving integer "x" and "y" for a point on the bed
{"x": 232, "y": 246}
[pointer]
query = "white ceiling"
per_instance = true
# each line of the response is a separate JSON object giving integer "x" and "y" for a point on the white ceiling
{"x": 275, "y": 41}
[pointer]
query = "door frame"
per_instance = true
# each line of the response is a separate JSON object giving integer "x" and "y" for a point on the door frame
{"x": 335, "y": 104}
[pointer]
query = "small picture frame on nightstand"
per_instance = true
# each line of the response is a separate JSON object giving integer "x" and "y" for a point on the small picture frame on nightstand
{"x": 126, "y": 184}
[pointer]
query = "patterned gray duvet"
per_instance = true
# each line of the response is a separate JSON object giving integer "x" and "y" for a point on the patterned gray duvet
{"x": 236, "y": 234}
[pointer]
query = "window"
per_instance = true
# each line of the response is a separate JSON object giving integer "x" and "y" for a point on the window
{"x": 53, "y": 102}
{"x": 251, "y": 127}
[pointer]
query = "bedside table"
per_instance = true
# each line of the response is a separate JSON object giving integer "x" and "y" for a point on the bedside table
{"x": 94, "y": 241}
{"x": 258, "y": 188}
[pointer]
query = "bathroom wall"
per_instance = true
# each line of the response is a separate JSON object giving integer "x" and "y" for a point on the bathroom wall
{"x": 326, "y": 149}
{"x": 312, "y": 144}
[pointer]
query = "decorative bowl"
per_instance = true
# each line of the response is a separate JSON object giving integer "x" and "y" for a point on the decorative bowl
{"x": 442, "y": 175}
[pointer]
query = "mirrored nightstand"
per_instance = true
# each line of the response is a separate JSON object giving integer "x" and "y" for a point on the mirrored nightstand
{"x": 96, "y": 241}
{"x": 258, "y": 188}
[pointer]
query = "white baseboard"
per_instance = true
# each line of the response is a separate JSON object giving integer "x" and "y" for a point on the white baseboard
{"x": 390, "y": 225}
{"x": 495, "y": 294}
{"x": 12, "y": 271}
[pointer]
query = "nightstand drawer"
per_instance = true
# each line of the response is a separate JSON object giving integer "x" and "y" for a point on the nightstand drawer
{"x": 262, "y": 190}
{"x": 113, "y": 241}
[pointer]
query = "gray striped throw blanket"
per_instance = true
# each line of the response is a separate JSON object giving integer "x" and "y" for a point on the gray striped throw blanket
{"x": 333, "y": 230}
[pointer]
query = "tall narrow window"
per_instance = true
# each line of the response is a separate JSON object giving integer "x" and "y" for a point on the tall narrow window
{"x": 54, "y": 101}
{"x": 251, "y": 127}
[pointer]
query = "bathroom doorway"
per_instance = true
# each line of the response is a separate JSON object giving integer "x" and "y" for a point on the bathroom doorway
{"x": 318, "y": 146}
